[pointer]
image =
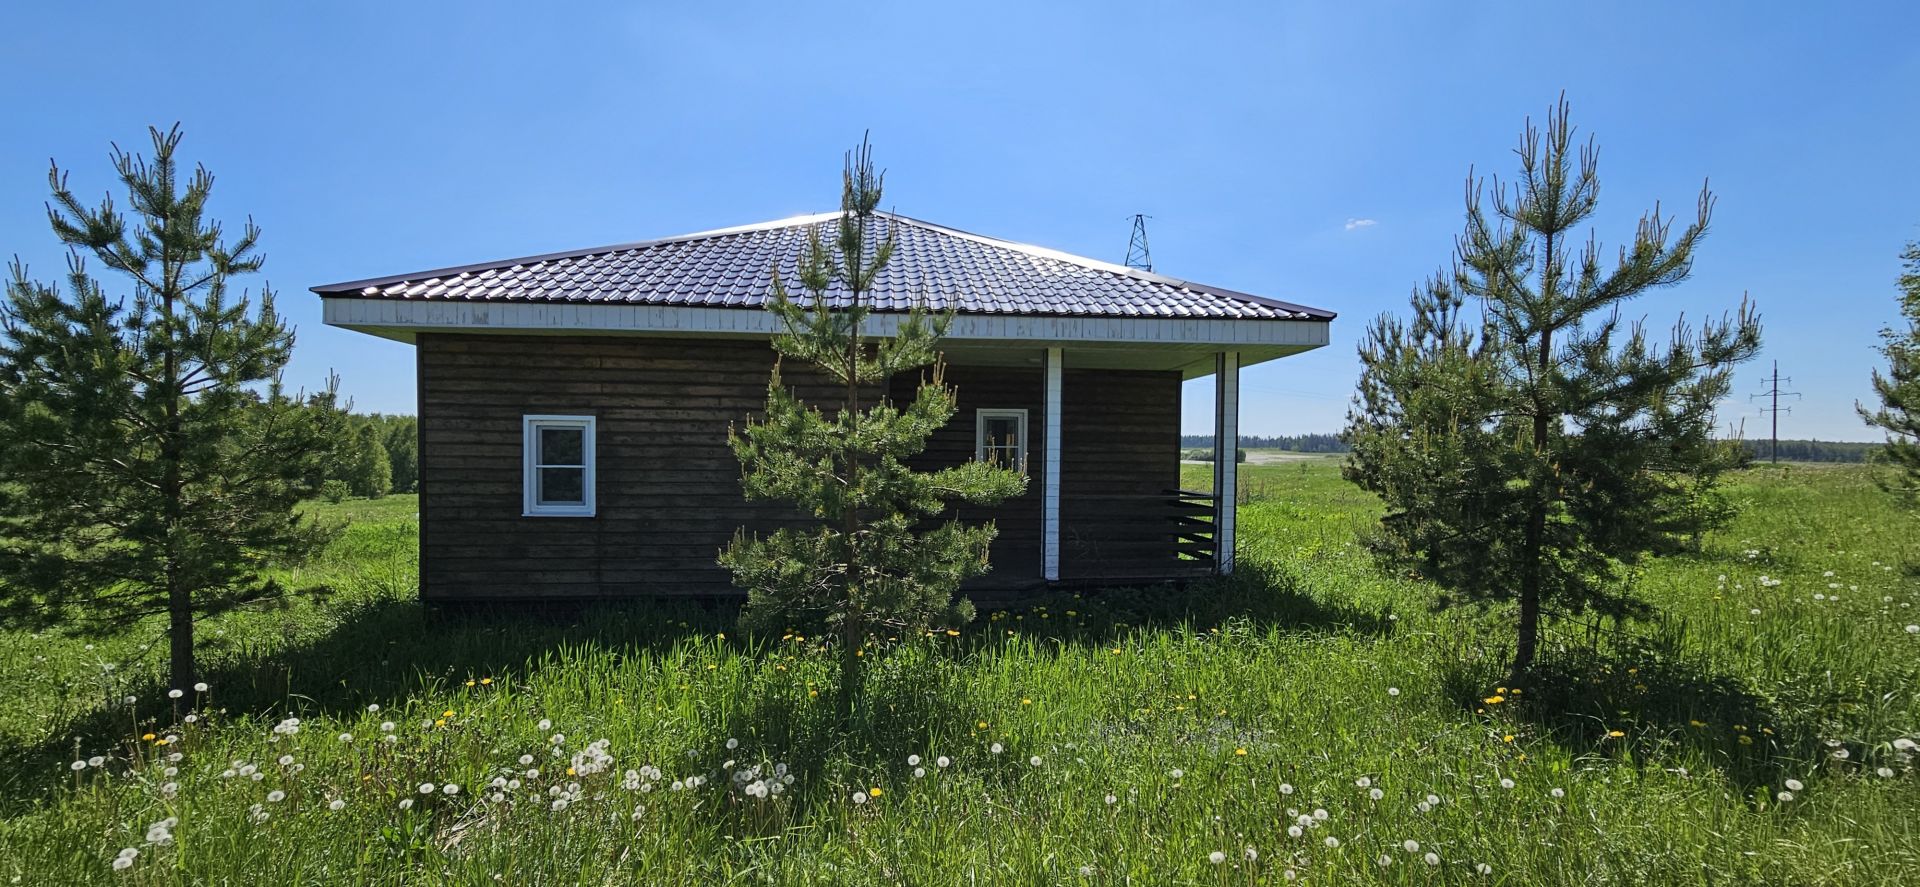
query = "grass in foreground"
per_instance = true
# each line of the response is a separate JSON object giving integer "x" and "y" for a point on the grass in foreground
{"x": 1310, "y": 719}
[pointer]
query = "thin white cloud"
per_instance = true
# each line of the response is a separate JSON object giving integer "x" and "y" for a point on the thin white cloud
{"x": 1360, "y": 223}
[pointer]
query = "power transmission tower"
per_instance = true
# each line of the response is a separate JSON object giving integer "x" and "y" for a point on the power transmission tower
{"x": 1774, "y": 393}
{"x": 1139, "y": 257}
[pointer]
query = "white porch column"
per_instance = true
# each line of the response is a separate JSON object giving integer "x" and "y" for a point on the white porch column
{"x": 1226, "y": 451}
{"x": 1050, "y": 470}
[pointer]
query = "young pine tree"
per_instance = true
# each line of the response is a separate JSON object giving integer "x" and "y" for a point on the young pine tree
{"x": 152, "y": 461}
{"x": 874, "y": 562}
{"x": 1529, "y": 453}
{"x": 1899, "y": 388}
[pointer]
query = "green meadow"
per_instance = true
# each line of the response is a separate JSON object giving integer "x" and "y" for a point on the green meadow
{"x": 1311, "y": 720}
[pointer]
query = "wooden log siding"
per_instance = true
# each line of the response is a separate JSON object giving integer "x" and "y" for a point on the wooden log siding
{"x": 668, "y": 486}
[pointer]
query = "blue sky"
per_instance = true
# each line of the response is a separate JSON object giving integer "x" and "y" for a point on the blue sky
{"x": 1313, "y": 152}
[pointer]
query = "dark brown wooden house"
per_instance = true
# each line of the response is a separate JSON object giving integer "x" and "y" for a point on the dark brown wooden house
{"x": 574, "y": 406}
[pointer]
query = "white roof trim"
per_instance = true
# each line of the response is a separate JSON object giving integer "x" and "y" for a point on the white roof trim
{"x": 399, "y": 319}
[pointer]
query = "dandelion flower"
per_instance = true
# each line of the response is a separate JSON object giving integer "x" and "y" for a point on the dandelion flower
{"x": 386, "y": 726}
{"x": 1177, "y": 773}
{"x": 875, "y": 791}
{"x": 1884, "y": 772}
{"x": 1506, "y": 783}
{"x": 1784, "y": 797}
{"x": 426, "y": 788}
{"x": 919, "y": 772}
{"x": 200, "y": 687}
{"x": 1286, "y": 789}
{"x": 996, "y": 748}
{"x": 1034, "y": 761}
{"x": 544, "y": 725}
{"x": 1432, "y": 859}
{"x": 336, "y": 805}
{"x": 1376, "y": 794}
{"x": 285, "y": 760}
{"x": 943, "y": 761}
{"x": 1794, "y": 785}
{"x": 1331, "y": 842}
{"x": 1393, "y": 691}
{"x": 1905, "y": 744}
{"x": 1411, "y": 846}
{"x": 78, "y": 766}
{"x": 1913, "y": 629}
{"x": 406, "y": 803}
{"x": 346, "y": 737}
{"x": 122, "y": 863}
{"x": 1557, "y": 792}
{"x": 1294, "y": 831}
{"x": 913, "y": 760}
{"x": 732, "y": 744}
{"x": 859, "y": 798}
{"x": 1483, "y": 869}
{"x": 1385, "y": 860}
{"x": 276, "y": 796}
{"x": 1112, "y": 800}
{"x": 450, "y": 789}
{"x": 1216, "y": 857}
{"x": 175, "y": 693}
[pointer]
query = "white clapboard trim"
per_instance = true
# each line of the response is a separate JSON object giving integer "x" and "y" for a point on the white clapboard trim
{"x": 1226, "y": 450}
{"x": 393, "y": 316}
{"x": 1050, "y": 495}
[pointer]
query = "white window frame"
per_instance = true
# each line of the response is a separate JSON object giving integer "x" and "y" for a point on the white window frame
{"x": 530, "y": 466}
{"x": 980, "y": 418}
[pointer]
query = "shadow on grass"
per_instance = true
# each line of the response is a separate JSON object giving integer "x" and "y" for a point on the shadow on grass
{"x": 388, "y": 648}
{"x": 1669, "y": 711}
{"x": 380, "y": 650}
{"x": 1258, "y": 595}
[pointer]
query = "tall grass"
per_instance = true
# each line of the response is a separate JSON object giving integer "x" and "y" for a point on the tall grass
{"x": 1140, "y": 735}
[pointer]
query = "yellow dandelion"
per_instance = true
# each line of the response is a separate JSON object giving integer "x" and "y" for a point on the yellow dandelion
{"x": 980, "y": 726}
{"x": 1507, "y": 738}
{"x": 148, "y": 737}
{"x": 1746, "y": 740}
{"x": 1698, "y": 724}
{"x": 571, "y": 773}
{"x": 953, "y": 633}
{"x": 1025, "y": 701}
{"x": 1494, "y": 700}
{"x": 440, "y": 723}
{"x": 813, "y": 694}
{"x": 447, "y": 714}
{"x": 470, "y": 682}
{"x": 1615, "y": 734}
{"x": 875, "y": 792}
{"x": 1240, "y": 752}
{"x": 485, "y": 681}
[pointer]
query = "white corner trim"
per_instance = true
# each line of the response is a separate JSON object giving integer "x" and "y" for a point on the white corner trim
{"x": 1050, "y": 469}
{"x": 407, "y": 316}
{"x": 1226, "y": 457}
{"x": 530, "y": 426}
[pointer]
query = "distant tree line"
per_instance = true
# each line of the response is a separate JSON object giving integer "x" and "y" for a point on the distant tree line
{"x": 382, "y": 457}
{"x": 1297, "y": 443}
{"x": 1813, "y": 450}
{"x": 1200, "y": 446}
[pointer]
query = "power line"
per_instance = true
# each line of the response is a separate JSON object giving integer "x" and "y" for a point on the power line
{"x": 1774, "y": 393}
{"x": 1139, "y": 257}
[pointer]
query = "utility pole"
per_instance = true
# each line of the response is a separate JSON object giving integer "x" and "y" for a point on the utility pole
{"x": 1138, "y": 257}
{"x": 1773, "y": 392}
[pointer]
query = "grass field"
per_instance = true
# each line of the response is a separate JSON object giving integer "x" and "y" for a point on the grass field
{"x": 1310, "y": 720}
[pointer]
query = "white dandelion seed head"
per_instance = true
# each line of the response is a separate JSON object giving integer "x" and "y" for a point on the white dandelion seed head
{"x": 913, "y": 760}
{"x": 450, "y": 789}
{"x": 859, "y": 797}
{"x": 1506, "y": 783}
{"x": 1482, "y": 869}
{"x": 1216, "y": 857}
{"x": 919, "y": 772}
{"x": 406, "y": 803}
{"x": 426, "y": 788}
{"x": 1393, "y": 691}
{"x": 1177, "y": 773}
{"x": 374, "y": 708}
{"x": 1795, "y": 785}
{"x": 1905, "y": 744}
{"x": 1320, "y": 814}
{"x": 544, "y": 725}
{"x": 1286, "y": 788}
{"x": 1432, "y": 859}
{"x": 200, "y": 687}
{"x": 97, "y": 760}
{"x": 336, "y": 805}
{"x": 1557, "y": 792}
{"x": 1410, "y": 845}
{"x": 1376, "y": 794}
{"x": 1294, "y": 831}
{"x": 1034, "y": 761}
{"x": 175, "y": 693}
{"x": 1385, "y": 860}
{"x": 943, "y": 761}
{"x": 386, "y": 726}
{"x": 285, "y": 760}
{"x": 1364, "y": 781}
{"x": 122, "y": 863}
{"x": 996, "y": 748}
{"x": 525, "y": 760}
{"x": 276, "y": 796}
{"x": 732, "y": 744}
{"x": 1112, "y": 800}
{"x": 1784, "y": 797}
{"x": 1884, "y": 772}
{"x": 1331, "y": 842}
{"x": 346, "y": 737}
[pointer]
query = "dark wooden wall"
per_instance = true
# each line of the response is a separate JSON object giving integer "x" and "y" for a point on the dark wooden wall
{"x": 668, "y": 495}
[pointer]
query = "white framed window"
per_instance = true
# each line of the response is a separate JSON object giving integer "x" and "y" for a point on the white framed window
{"x": 1000, "y": 437}
{"x": 557, "y": 465}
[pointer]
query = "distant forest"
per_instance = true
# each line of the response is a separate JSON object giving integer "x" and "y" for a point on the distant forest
{"x": 1760, "y": 450}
